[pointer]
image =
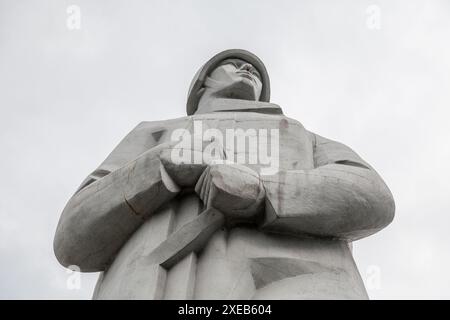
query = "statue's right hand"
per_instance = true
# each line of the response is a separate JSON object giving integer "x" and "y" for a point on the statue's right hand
{"x": 186, "y": 162}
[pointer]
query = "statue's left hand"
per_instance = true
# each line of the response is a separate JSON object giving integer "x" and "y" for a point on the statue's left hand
{"x": 186, "y": 173}
{"x": 233, "y": 189}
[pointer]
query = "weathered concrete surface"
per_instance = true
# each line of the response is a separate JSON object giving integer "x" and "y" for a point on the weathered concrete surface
{"x": 140, "y": 217}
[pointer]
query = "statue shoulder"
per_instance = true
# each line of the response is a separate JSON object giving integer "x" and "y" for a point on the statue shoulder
{"x": 152, "y": 126}
{"x": 327, "y": 151}
{"x": 144, "y": 136}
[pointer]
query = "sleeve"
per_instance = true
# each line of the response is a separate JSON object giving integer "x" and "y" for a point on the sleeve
{"x": 327, "y": 151}
{"x": 127, "y": 188}
{"x": 342, "y": 197}
{"x": 134, "y": 144}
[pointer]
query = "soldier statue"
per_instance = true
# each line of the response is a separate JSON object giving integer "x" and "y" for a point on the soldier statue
{"x": 233, "y": 201}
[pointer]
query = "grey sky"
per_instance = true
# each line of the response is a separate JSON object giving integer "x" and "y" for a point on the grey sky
{"x": 69, "y": 96}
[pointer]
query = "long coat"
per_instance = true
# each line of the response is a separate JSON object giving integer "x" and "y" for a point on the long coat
{"x": 323, "y": 197}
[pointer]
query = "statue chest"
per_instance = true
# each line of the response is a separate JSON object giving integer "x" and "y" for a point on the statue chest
{"x": 257, "y": 140}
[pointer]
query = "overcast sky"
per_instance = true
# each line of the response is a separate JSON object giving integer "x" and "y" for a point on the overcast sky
{"x": 68, "y": 96}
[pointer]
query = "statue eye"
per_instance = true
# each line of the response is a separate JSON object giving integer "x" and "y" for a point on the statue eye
{"x": 256, "y": 73}
{"x": 233, "y": 63}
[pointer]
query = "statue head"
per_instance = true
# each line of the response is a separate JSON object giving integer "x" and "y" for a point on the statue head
{"x": 233, "y": 74}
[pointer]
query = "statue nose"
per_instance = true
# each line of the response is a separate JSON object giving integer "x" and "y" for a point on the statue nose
{"x": 246, "y": 67}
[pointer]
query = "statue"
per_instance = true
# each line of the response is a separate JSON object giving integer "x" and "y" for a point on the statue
{"x": 234, "y": 201}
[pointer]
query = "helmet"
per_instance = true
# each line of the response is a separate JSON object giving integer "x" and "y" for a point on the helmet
{"x": 197, "y": 83}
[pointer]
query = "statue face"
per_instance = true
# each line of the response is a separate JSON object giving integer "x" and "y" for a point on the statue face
{"x": 235, "y": 79}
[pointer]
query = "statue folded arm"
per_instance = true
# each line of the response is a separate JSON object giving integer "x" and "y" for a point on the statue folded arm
{"x": 342, "y": 197}
{"x": 112, "y": 203}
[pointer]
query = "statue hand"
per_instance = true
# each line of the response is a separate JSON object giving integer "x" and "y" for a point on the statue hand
{"x": 233, "y": 189}
{"x": 185, "y": 164}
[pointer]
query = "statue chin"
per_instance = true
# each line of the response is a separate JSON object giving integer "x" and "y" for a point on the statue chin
{"x": 242, "y": 89}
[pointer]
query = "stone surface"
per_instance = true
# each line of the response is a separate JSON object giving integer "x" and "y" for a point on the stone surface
{"x": 161, "y": 229}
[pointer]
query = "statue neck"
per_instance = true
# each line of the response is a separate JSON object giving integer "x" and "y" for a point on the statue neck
{"x": 238, "y": 105}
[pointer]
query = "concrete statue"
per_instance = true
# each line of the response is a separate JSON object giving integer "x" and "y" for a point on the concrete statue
{"x": 233, "y": 201}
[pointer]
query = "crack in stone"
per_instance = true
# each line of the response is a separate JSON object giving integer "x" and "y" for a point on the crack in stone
{"x": 131, "y": 207}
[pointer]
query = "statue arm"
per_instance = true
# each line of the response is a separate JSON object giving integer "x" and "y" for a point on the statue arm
{"x": 111, "y": 204}
{"x": 342, "y": 197}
